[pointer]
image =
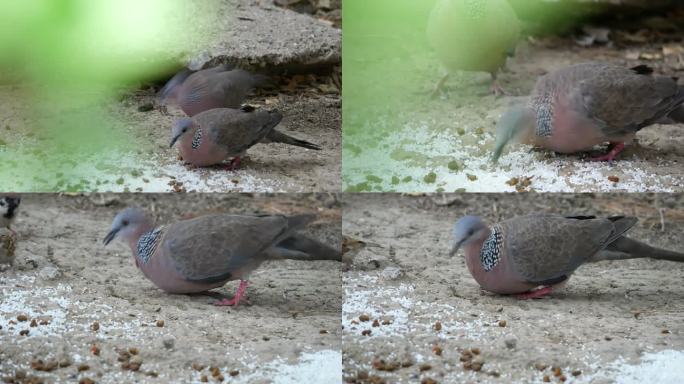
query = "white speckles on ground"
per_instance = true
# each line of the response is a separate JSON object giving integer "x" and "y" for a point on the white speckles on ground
{"x": 290, "y": 333}
{"x": 608, "y": 311}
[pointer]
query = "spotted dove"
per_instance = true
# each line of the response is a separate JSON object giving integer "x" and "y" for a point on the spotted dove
{"x": 473, "y": 35}
{"x": 217, "y": 134}
{"x": 205, "y": 252}
{"x": 577, "y": 107}
{"x": 217, "y": 87}
{"x": 530, "y": 255}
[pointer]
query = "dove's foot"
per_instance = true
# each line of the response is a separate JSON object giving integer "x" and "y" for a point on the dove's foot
{"x": 439, "y": 88}
{"x": 234, "y": 164}
{"x": 235, "y": 301}
{"x": 615, "y": 148}
{"x": 496, "y": 89}
{"x": 537, "y": 293}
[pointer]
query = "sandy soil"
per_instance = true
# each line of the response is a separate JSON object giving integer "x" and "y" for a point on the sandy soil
{"x": 445, "y": 145}
{"x": 614, "y": 321}
{"x": 64, "y": 275}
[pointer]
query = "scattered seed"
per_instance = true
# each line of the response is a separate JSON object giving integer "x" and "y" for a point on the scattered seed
{"x": 134, "y": 367}
{"x": 386, "y": 322}
{"x": 95, "y": 350}
{"x": 475, "y": 351}
{"x": 665, "y": 331}
{"x": 24, "y": 332}
{"x": 204, "y": 378}
{"x": 133, "y": 351}
{"x": 44, "y": 322}
{"x": 214, "y": 371}
{"x": 428, "y": 380}
{"x": 34, "y": 323}
{"x": 608, "y": 338}
{"x": 366, "y": 332}
{"x": 562, "y": 378}
{"x": 546, "y": 379}
{"x": 425, "y": 367}
{"x": 467, "y": 365}
{"x": 477, "y": 366}
{"x": 95, "y": 326}
{"x": 382, "y": 365}
{"x": 364, "y": 317}
{"x": 22, "y": 317}
{"x": 219, "y": 378}
{"x": 437, "y": 350}
{"x": 576, "y": 372}
{"x": 513, "y": 181}
{"x": 502, "y": 323}
{"x": 438, "y": 326}
{"x": 471, "y": 177}
{"x": 197, "y": 366}
{"x": 83, "y": 367}
{"x": 86, "y": 380}
{"x": 234, "y": 372}
{"x": 152, "y": 373}
{"x": 376, "y": 323}
{"x": 614, "y": 179}
{"x": 160, "y": 323}
{"x": 494, "y": 373}
{"x": 557, "y": 371}
{"x": 323, "y": 331}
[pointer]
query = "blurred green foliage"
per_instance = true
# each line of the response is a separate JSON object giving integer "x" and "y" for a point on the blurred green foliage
{"x": 68, "y": 61}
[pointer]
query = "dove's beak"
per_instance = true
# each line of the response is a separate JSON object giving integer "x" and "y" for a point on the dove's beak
{"x": 110, "y": 236}
{"x": 455, "y": 248}
{"x": 173, "y": 141}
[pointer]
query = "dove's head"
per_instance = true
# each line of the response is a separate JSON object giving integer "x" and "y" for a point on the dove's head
{"x": 513, "y": 123}
{"x": 128, "y": 225}
{"x": 468, "y": 229}
{"x": 181, "y": 128}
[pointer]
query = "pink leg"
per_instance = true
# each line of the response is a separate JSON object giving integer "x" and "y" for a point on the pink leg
{"x": 234, "y": 163}
{"x": 615, "y": 148}
{"x": 235, "y": 301}
{"x": 496, "y": 89}
{"x": 14, "y": 233}
{"x": 439, "y": 88}
{"x": 537, "y": 293}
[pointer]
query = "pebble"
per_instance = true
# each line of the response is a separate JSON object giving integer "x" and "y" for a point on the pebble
{"x": 511, "y": 342}
{"x": 49, "y": 273}
{"x": 391, "y": 273}
{"x": 169, "y": 341}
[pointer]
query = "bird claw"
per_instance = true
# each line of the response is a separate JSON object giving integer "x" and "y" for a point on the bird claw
{"x": 615, "y": 148}
{"x": 536, "y": 294}
{"x": 234, "y": 164}
{"x": 235, "y": 301}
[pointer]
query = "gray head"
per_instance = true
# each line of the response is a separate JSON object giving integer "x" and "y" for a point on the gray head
{"x": 128, "y": 223}
{"x": 515, "y": 121}
{"x": 180, "y": 128}
{"x": 466, "y": 229}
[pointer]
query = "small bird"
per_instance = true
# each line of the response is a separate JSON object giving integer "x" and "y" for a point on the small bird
{"x": 577, "y": 107}
{"x": 217, "y": 87}
{"x": 205, "y": 252}
{"x": 217, "y": 134}
{"x": 529, "y": 256}
{"x": 9, "y": 206}
{"x": 473, "y": 35}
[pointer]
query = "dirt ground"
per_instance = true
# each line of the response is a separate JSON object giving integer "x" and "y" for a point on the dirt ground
{"x": 290, "y": 332}
{"x": 445, "y": 145}
{"x": 613, "y": 322}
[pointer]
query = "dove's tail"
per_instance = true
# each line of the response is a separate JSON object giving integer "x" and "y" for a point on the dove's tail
{"x": 300, "y": 247}
{"x": 625, "y": 248}
{"x": 279, "y": 137}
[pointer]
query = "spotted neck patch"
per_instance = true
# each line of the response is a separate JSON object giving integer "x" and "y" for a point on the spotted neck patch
{"x": 543, "y": 105}
{"x": 197, "y": 138}
{"x": 147, "y": 244}
{"x": 491, "y": 249}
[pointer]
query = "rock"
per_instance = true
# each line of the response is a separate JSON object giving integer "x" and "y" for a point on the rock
{"x": 169, "y": 341}
{"x": 511, "y": 341}
{"x": 254, "y": 37}
{"x": 49, "y": 273}
{"x": 391, "y": 273}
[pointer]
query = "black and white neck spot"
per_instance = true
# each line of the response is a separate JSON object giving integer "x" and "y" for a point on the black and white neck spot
{"x": 147, "y": 244}
{"x": 491, "y": 249}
